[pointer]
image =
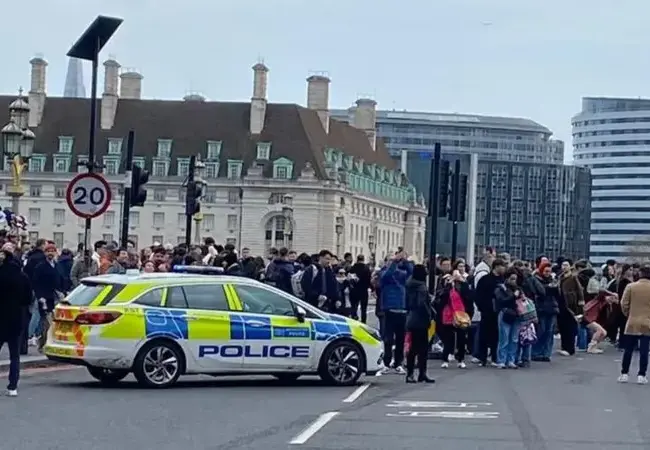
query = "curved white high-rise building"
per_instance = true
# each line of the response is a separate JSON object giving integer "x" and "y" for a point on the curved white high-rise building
{"x": 612, "y": 137}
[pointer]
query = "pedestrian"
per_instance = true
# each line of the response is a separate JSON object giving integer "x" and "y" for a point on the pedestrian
{"x": 418, "y": 320}
{"x": 16, "y": 299}
{"x": 47, "y": 286}
{"x": 506, "y": 305}
{"x": 635, "y": 305}
{"x": 85, "y": 266}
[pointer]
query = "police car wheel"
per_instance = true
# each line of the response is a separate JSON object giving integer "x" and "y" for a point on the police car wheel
{"x": 107, "y": 376}
{"x": 158, "y": 364}
{"x": 286, "y": 377}
{"x": 342, "y": 364}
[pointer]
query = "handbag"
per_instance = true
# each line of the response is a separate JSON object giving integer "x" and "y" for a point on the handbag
{"x": 526, "y": 310}
{"x": 460, "y": 319}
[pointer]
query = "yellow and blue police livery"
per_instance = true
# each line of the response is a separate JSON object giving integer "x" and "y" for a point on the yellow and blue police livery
{"x": 162, "y": 326}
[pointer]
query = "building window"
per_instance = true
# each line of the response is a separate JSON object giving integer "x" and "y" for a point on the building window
{"x": 278, "y": 233}
{"x": 34, "y": 216}
{"x": 157, "y": 240}
{"x": 81, "y": 164}
{"x": 35, "y": 190}
{"x": 183, "y": 168}
{"x": 59, "y": 216}
{"x": 234, "y": 169}
{"x": 37, "y": 163}
{"x": 115, "y": 146}
{"x": 158, "y": 219}
{"x": 160, "y": 168}
{"x": 111, "y": 166}
{"x": 159, "y": 195}
{"x": 139, "y": 161}
{"x": 280, "y": 172}
{"x": 33, "y": 236}
{"x": 180, "y": 220}
{"x": 164, "y": 148}
{"x": 232, "y": 221}
{"x": 134, "y": 218}
{"x": 234, "y": 196}
{"x": 61, "y": 164}
{"x": 211, "y": 170}
{"x": 180, "y": 239}
{"x": 283, "y": 168}
{"x": 109, "y": 218}
{"x": 58, "y": 239}
{"x": 59, "y": 191}
{"x": 208, "y": 222}
{"x": 214, "y": 150}
{"x": 263, "y": 150}
{"x": 65, "y": 144}
{"x": 108, "y": 237}
{"x": 80, "y": 238}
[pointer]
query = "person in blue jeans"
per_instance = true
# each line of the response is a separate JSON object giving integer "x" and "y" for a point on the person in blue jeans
{"x": 547, "y": 311}
{"x": 505, "y": 299}
{"x": 14, "y": 304}
{"x": 635, "y": 305}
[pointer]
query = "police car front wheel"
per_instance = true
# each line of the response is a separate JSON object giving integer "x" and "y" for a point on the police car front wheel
{"x": 107, "y": 376}
{"x": 158, "y": 364}
{"x": 342, "y": 364}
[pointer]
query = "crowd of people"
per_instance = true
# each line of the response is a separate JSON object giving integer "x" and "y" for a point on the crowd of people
{"x": 502, "y": 313}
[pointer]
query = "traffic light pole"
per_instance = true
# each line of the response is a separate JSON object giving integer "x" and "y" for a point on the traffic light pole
{"x": 189, "y": 192}
{"x": 126, "y": 198}
{"x": 455, "y": 209}
{"x": 434, "y": 185}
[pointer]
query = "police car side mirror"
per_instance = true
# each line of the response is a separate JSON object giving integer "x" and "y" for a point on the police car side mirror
{"x": 300, "y": 313}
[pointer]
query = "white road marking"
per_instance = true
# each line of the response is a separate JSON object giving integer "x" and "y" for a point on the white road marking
{"x": 447, "y": 414}
{"x": 414, "y": 404}
{"x": 314, "y": 428}
{"x": 357, "y": 393}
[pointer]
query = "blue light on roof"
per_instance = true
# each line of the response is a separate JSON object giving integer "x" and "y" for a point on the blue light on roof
{"x": 201, "y": 270}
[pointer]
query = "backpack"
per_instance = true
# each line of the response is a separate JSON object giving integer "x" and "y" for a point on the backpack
{"x": 272, "y": 274}
{"x": 296, "y": 282}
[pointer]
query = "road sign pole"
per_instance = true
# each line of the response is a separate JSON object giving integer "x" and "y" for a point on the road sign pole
{"x": 126, "y": 203}
{"x": 434, "y": 200}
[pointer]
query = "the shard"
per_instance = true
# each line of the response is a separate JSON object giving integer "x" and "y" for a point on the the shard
{"x": 74, "y": 79}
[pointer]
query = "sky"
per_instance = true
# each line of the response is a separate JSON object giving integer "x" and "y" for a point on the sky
{"x": 522, "y": 58}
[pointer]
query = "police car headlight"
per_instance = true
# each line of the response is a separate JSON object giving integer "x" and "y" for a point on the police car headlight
{"x": 371, "y": 331}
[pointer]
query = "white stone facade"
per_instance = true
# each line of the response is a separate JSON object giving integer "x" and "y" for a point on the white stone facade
{"x": 316, "y": 207}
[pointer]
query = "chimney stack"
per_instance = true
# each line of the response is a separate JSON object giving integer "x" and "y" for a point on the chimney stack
{"x": 365, "y": 118}
{"x": 318, "y": 93}
{"x": 108, "y": 107}
{"x": 36, "y": 93}
{"x": 258, "y": 101}
{"x": 131, "y": 85}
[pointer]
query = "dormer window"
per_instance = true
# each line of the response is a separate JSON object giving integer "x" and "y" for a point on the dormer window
{"x": 164, "y": 148}
{"x": 283, "y": 169}
{"x": 61, "y": 163}
{"x": 214, "y": 150}
{"x": 263, "y": 150}
{"x": 65, "y": 144}
{"x": 114, "y": 146}
{"x": 37, "y": 163}
{"x": 183, "y": 168}
{"x": 234, "y": 168}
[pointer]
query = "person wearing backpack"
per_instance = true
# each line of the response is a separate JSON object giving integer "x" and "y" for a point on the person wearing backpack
{"x": 279, "y": 272}
{"x": 319, "y": 283}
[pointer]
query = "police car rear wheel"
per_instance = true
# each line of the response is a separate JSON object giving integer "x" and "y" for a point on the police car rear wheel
{"x": 107, "y": 376}
{"x": 158, "y": 364}
{"x": 342, "y": 364}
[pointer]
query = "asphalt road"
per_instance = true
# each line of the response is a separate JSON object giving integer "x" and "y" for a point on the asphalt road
{"x": 570, "y": 404}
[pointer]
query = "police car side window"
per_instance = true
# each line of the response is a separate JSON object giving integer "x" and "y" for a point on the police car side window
{"x": 261, "y": 301}
{"x": 207, "y": 296}
{"x": 176, "y": 298}
{"x": 151, "y": 298}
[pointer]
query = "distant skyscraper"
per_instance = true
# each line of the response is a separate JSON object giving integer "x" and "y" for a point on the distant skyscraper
{"x": 74, "y": 79}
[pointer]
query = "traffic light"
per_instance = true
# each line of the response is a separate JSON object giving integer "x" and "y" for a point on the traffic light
{"x": 462, "y": 198}
{"x": 193, "y": 197}
{"x": 443, "y": 189}
{"x": 139, "y": 179}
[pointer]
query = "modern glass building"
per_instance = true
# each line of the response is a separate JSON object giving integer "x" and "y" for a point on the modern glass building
{"x": 611, "y": 136}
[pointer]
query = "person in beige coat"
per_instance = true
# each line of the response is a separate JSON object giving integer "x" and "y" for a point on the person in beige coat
{"x": 635, "y": 305}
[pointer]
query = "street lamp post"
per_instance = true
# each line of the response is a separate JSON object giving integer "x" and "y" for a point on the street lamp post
{"x": 199, "y": 168}
{"x": 287, "y": 212}
{"x": 18, "y": 145}
{"x": 339, "y": 231}
{"x": 371, "y": 241}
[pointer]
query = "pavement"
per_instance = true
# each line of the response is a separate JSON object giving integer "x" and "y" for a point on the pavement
{"x": 568, "y": 404}
{"x": 32, "y": 359}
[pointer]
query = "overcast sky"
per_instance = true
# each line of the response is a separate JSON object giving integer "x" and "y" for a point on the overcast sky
{"x": 526, "y": 58}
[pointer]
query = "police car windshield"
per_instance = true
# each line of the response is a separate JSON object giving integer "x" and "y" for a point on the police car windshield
{"x": 87, "y": 292}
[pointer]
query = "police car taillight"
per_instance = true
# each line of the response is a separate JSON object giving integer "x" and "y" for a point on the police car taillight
{"x": 97, "y": 317}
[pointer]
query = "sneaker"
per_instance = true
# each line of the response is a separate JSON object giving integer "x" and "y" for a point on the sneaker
{"x": 593, "y": 349}
{"x": 33, "y": 341}
{"x": 450, "y": 358}
{"x": 462, "y": 365}
{"x": 475, "y": 360}
{"x": 400, "y": 370}
{"x": 383, "y": 371}
{"x": 564, "y": 353}
{"x": 437, "y": 348}
{"x": 622, "y": 378}
{"x": 500, "y": 366}
{"x": 12, "y": 392}
{"x": 493, "y": 364}
{"x": 512, "y": 366}
{"x": 642, "y": 379}
{"x": 444, "y": 365}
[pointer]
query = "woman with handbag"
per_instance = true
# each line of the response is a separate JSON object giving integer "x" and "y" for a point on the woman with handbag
{"x": 505, "y": 299}
{"x": 455, "y": 309}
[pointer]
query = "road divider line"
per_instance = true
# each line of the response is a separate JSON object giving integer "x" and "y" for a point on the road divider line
{"x": 314, "y": 428}
{"x": 357, "y": 393}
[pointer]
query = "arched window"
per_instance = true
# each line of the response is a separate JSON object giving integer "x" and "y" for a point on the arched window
{"x": 278, "y": 233}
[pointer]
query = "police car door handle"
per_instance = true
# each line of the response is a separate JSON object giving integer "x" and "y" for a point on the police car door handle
{"x": 255, "y": 323}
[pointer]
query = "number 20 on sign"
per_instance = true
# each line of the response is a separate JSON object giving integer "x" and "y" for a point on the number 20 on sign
{"x": 88, "y": 195}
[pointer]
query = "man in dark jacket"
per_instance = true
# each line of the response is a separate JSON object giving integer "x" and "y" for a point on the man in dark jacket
{"x": 484, "y": 299}
{"x": 418, "y": 320}
{"x": 47, "y": 287}
{"x": 64, "y": 266}
{"x": 280, "y": 270}
{"x": 35, "y": 257}
{"x": 319, "y": 283}
{"x": 359, "y": 288}
{"x": 16, "y": 298}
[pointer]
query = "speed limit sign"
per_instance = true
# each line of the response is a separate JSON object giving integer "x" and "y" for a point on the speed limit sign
{"x": 88, "y": 195}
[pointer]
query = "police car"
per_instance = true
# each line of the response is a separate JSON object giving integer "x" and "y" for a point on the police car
{"x": 164, "y": 325}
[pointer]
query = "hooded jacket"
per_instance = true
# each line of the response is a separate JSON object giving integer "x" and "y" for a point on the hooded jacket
{"x": 392, "y": 282}
{"x": 418, "y": 305}
{"x": 15, "y": 299}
